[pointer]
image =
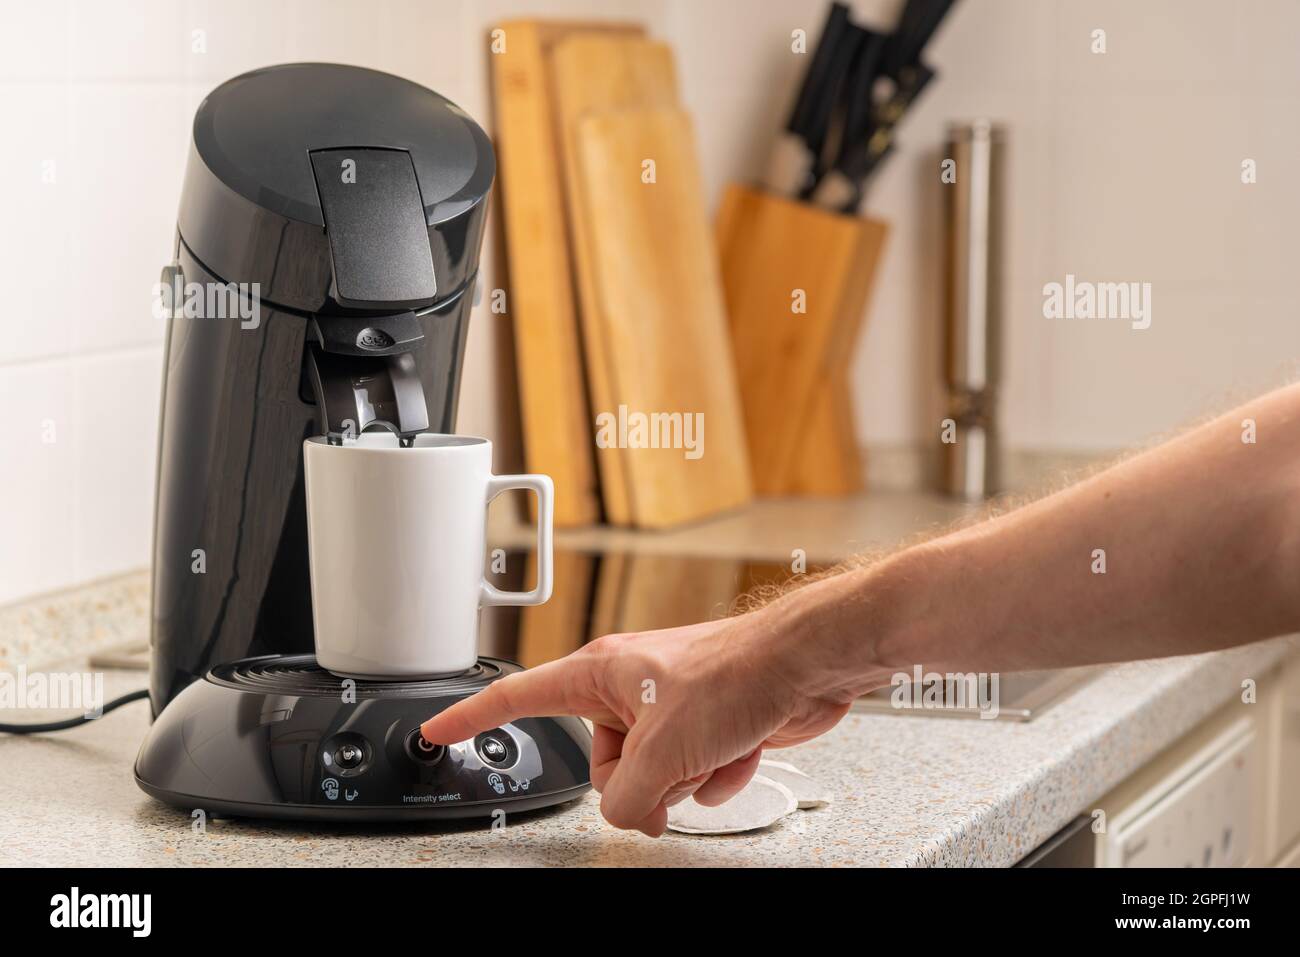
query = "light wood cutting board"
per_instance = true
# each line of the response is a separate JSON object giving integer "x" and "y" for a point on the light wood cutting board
{"x": 790, "y": 362}
{"x": 553, "y": 401}
{"x": 828, "y": 460}
{"x": 593, "y": 73}
{"x": 660, "y": 309}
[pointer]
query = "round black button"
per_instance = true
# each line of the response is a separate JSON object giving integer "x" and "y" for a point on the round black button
{"x": 349, "y": 756}
{"x": 493, "y": 750}
{"x": 346, "y": 754}
{"x": 421, "y": 750}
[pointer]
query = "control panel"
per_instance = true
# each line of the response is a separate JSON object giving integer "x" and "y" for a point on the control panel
{"x": 398, "y": 766}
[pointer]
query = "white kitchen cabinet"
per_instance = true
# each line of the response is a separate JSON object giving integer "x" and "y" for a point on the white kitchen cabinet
{"x": 1280, "y": 698}
{"x": 1227, "y": 794}
{"x": 1193, "y": 807}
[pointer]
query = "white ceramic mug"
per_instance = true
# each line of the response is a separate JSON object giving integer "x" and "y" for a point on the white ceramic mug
{"x": 397, "y": 539}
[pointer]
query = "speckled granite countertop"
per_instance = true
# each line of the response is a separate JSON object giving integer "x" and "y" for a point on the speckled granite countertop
{"x": 906, "y": 791}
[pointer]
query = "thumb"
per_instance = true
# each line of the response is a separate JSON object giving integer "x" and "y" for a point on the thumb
{"x": 635, "y": 792}
{"x": 538, "y": 692}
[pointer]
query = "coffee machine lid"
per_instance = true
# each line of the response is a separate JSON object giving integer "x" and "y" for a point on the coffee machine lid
{"x": 255, "y": 133}
{"x": 268, "y": 196}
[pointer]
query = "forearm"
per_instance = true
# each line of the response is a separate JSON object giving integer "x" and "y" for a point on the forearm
{"x": 1200, "y": 540}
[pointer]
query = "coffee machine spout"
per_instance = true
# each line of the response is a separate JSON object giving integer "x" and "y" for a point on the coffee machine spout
{"x": 353, "y": 392}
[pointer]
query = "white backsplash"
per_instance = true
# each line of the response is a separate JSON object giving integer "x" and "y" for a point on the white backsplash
{"x": 1125, "y": 167}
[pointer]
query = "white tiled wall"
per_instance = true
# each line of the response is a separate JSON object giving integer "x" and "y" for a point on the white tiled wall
{"x": 96, "y": 98}
{"x": 1123, "y": 166}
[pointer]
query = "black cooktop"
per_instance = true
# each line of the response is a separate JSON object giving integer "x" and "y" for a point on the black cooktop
{"x": 608, "y": 592}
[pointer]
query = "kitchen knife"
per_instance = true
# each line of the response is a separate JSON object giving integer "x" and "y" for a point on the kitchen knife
{"x": 791, "y": 162}
{"x": 821, "y": 128}
{"x": 842, "y": 188}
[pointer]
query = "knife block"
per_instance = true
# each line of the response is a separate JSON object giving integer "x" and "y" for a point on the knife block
{"x": 796, "y": 280}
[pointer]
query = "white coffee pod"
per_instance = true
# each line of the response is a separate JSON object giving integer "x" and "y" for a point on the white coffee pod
{"x": 762, "y": 802}
{"x": 808, "y": 792}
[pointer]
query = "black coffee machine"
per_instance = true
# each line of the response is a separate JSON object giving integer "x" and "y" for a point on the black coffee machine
{"x": 326, "y": 254}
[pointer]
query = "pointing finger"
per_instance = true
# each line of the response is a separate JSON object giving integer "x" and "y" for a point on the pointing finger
{"x": 538, "y": 692}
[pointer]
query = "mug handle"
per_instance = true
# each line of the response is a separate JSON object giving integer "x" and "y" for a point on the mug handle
{"x": 545, "y": 489}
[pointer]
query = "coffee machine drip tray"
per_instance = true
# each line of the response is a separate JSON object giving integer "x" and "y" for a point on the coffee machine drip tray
{"x": 300, "y": 675}
{"x": 280, "y": 737}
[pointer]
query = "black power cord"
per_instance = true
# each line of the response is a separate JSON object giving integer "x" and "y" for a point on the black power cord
{"x": 72, "y": 722}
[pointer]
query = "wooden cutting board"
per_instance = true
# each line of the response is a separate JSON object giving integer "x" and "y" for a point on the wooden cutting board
{"x": 828, "y": 463}
{"x": 553, "y": 401}
{"x": 780, "y": 257}
{"x": 592, "y": 73}
{"x": 659, "y": 306}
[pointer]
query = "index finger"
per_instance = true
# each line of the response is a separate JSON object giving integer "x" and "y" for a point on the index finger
{"x": 538, "y": 692}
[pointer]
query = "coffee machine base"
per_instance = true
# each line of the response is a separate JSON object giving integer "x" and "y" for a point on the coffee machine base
{"x": 280, "y": 737}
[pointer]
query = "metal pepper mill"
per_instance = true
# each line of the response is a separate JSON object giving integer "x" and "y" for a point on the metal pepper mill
{"x": 970, "y": 451}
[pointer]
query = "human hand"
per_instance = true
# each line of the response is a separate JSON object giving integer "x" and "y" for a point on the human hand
{"x": 678, "y": 713}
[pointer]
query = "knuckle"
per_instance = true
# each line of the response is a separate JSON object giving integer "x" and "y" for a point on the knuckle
{"x": 606, "y": 646}
{"x": 621, "y": 659}
{"x": 598, "y": 660}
